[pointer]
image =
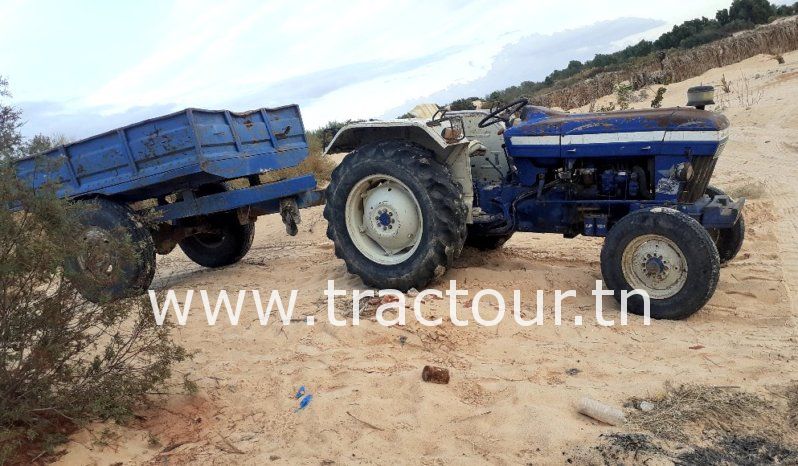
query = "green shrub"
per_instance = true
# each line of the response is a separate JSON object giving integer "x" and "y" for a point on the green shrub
{"x": 657, "y": 101}
{"x": 63, "y": 361}
{"x": 623, "y": 95}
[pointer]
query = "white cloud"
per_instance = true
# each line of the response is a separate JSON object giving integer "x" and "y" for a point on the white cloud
{"x": 250, "y": 53}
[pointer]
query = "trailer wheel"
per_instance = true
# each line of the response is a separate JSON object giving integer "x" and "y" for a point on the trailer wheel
{"x": 727, "y": 240}
{"x": 666, "y": 253}
{"x": 104, "y": 271}
{"x": 228, "y": 244}
{"x": 395, "y": 214}
{"x": 486, "y": 243}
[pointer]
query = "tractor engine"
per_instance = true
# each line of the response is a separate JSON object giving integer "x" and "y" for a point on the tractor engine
{"x": 619, "y": 182}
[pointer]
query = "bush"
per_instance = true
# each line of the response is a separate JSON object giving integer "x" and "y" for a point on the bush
{"x": 623, "y": 94}
{"x": 657, "y": 101}
{"x": 63, "y": 361}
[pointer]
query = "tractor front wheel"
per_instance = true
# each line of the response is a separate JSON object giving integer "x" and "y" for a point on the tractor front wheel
{"x": 665, "y": 253}
{"x": 396, "y": 215}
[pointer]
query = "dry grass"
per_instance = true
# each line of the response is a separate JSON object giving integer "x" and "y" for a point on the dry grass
{"x": 316, "y": 163}
{"x": 700, "y": 424}
{"x": 687, "y": 411}
{"x": 753, "y": 190}
{"x": 747, "y": 95}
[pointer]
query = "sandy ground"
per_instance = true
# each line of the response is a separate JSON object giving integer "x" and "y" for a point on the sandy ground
{"x": 512, "y": 389}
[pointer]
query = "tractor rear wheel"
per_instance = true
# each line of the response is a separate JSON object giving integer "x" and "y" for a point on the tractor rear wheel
{"x": 108, "y": 268}
{"x": 665, "y": 253}
{"x": 396, "y": 215}
{"x": 727, "y": 240}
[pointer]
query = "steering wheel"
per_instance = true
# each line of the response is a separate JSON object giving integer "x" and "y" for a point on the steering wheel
{"x": 502, "y": 113}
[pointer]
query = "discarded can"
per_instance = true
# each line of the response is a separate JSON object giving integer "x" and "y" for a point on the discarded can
{"x": 434, "y": 374}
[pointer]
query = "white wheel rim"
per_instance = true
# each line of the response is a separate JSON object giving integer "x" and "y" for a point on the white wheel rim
{"x": 383, "y": 219}
{"x": 655, "y": 264}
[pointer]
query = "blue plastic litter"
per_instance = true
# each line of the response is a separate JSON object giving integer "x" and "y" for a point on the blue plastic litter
{"x": 300, "y": 392}
{"x": 304, "y": 402}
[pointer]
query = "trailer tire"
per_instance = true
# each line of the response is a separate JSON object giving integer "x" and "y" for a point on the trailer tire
{"x": 485, "y": 242}
{"x": 114, "y": 271}
{"x": 228, "y": 246}
{"x": 409, "y": 187}
{"x": 666, "y": 253}
{"x": 728, "y": 241}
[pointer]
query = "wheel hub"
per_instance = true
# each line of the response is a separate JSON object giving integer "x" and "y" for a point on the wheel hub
{"x": 98, "y": 261}
{"x": 383, "y": 219}
{"x": 655, "y": 264}
{"x": 655, "y": 267}
{"x": 390, "y": 216}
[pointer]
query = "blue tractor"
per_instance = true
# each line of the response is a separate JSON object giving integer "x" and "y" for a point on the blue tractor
{"x": 411, "y": 193}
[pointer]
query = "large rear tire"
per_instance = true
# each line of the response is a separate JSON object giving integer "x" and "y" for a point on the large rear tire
{"x": 396, "y": 216}
{"x": 110, "y": 268}
{"x": 727, "y": 240}
{"x": 667, "y": 254}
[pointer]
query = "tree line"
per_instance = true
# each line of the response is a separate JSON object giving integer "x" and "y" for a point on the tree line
{"x": 741, "y": 15}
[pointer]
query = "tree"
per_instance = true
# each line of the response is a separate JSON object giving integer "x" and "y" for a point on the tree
{"x": 722, "y": 16}
{"x": 463, "y": 104}
{"x": 41, "y": 143}
{"x": 10, "y": 122}
{"x": 755, "y": 11}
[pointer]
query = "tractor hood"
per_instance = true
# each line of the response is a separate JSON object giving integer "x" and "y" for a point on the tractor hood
{"x": 540, "y": 121}
{"x": 543, "y": 132}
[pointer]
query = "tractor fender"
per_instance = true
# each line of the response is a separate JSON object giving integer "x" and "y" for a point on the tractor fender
{"x": 455, "y": 155}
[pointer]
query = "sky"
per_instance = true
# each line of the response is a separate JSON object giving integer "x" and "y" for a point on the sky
{"x": 79, "y": 67}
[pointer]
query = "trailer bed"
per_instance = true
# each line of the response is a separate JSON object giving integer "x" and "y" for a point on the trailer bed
{"x": 162, "y": 155}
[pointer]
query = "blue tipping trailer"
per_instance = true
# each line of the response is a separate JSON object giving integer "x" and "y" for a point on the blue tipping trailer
{"x": 182, "y": 165}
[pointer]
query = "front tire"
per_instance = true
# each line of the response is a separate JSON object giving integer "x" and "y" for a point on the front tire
{"x": 396, "y": 216}
{"x": 728, "y": 241}
{"x": 666, "y": 253}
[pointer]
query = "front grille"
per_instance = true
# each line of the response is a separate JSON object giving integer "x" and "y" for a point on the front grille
{"x": 702, "y": 172}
